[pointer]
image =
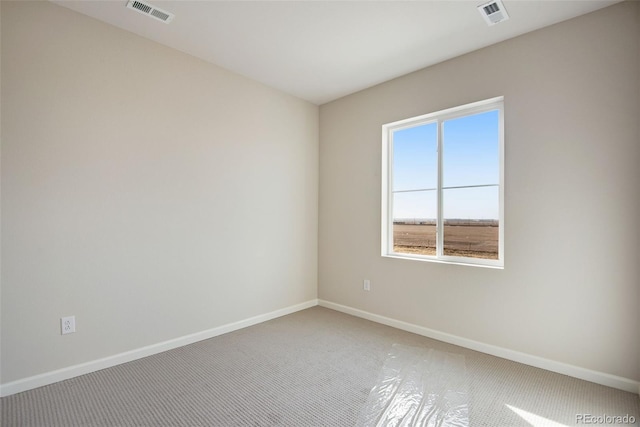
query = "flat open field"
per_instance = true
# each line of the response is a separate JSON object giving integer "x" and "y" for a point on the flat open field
{"x": 476, "y": 241}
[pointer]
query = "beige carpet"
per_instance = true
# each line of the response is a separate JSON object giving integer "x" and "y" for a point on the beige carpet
{"x": 312, "y": 368}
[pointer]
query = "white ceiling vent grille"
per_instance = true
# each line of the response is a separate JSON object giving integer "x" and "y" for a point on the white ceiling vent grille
{"x": 149, "y": 10}
{"x": 493, "y": 12}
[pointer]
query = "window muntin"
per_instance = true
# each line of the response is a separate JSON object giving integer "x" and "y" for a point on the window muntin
{"x": 443, "y": 186}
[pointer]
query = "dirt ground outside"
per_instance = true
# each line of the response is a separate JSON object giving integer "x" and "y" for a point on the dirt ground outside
{"x": 475, "y": 241}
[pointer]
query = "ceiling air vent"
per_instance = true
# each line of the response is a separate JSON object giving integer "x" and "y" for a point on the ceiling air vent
{"x": 149, "y": 10}
{"x": 493, "y": 12}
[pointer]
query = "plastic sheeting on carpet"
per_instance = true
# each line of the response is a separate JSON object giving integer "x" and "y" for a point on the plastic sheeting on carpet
{"x": 418, "y": 387}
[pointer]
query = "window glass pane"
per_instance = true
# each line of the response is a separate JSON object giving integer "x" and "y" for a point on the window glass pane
{"x": 415, "y": 158}
{"x": 471, "y": 224}
{"x": 471, "y": 147}
{"x": 414, "y": 222}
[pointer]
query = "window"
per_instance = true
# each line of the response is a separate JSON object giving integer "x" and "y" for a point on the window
{"x": 443, "y": 186}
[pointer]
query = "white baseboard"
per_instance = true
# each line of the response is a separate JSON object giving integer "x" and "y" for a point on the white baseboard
{"x": 609, "y": 380}
{"x": 96, "y": 365}
{"x": 527, "y": 359}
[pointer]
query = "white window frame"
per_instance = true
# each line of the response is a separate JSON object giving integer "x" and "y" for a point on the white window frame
{"x": 439, "y": 117}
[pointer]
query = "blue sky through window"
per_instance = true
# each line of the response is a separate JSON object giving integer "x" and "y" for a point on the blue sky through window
{"x": 470, "y": 157}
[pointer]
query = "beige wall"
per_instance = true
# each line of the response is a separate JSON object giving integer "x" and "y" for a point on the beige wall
{"x": 148, "y": 193}
{"x": 570, "y": 288}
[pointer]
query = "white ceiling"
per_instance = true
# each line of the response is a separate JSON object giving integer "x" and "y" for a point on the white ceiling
{"x": 323, "y": 50}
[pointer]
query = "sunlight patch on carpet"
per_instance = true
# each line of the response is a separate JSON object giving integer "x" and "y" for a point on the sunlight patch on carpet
{"x": 535, "y": 420}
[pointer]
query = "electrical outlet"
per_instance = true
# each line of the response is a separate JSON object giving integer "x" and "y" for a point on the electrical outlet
{"x": 366, "y": 285}
{"x": 68, "y": 325}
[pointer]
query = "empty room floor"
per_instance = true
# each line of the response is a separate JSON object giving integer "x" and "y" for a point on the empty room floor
{"x": 315, "y": 367}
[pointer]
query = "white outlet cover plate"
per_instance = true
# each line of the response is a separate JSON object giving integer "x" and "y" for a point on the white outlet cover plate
{"x": 68, "y": 325}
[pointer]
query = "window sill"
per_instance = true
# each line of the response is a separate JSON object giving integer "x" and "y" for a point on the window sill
{"x": 495, "y": 266}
